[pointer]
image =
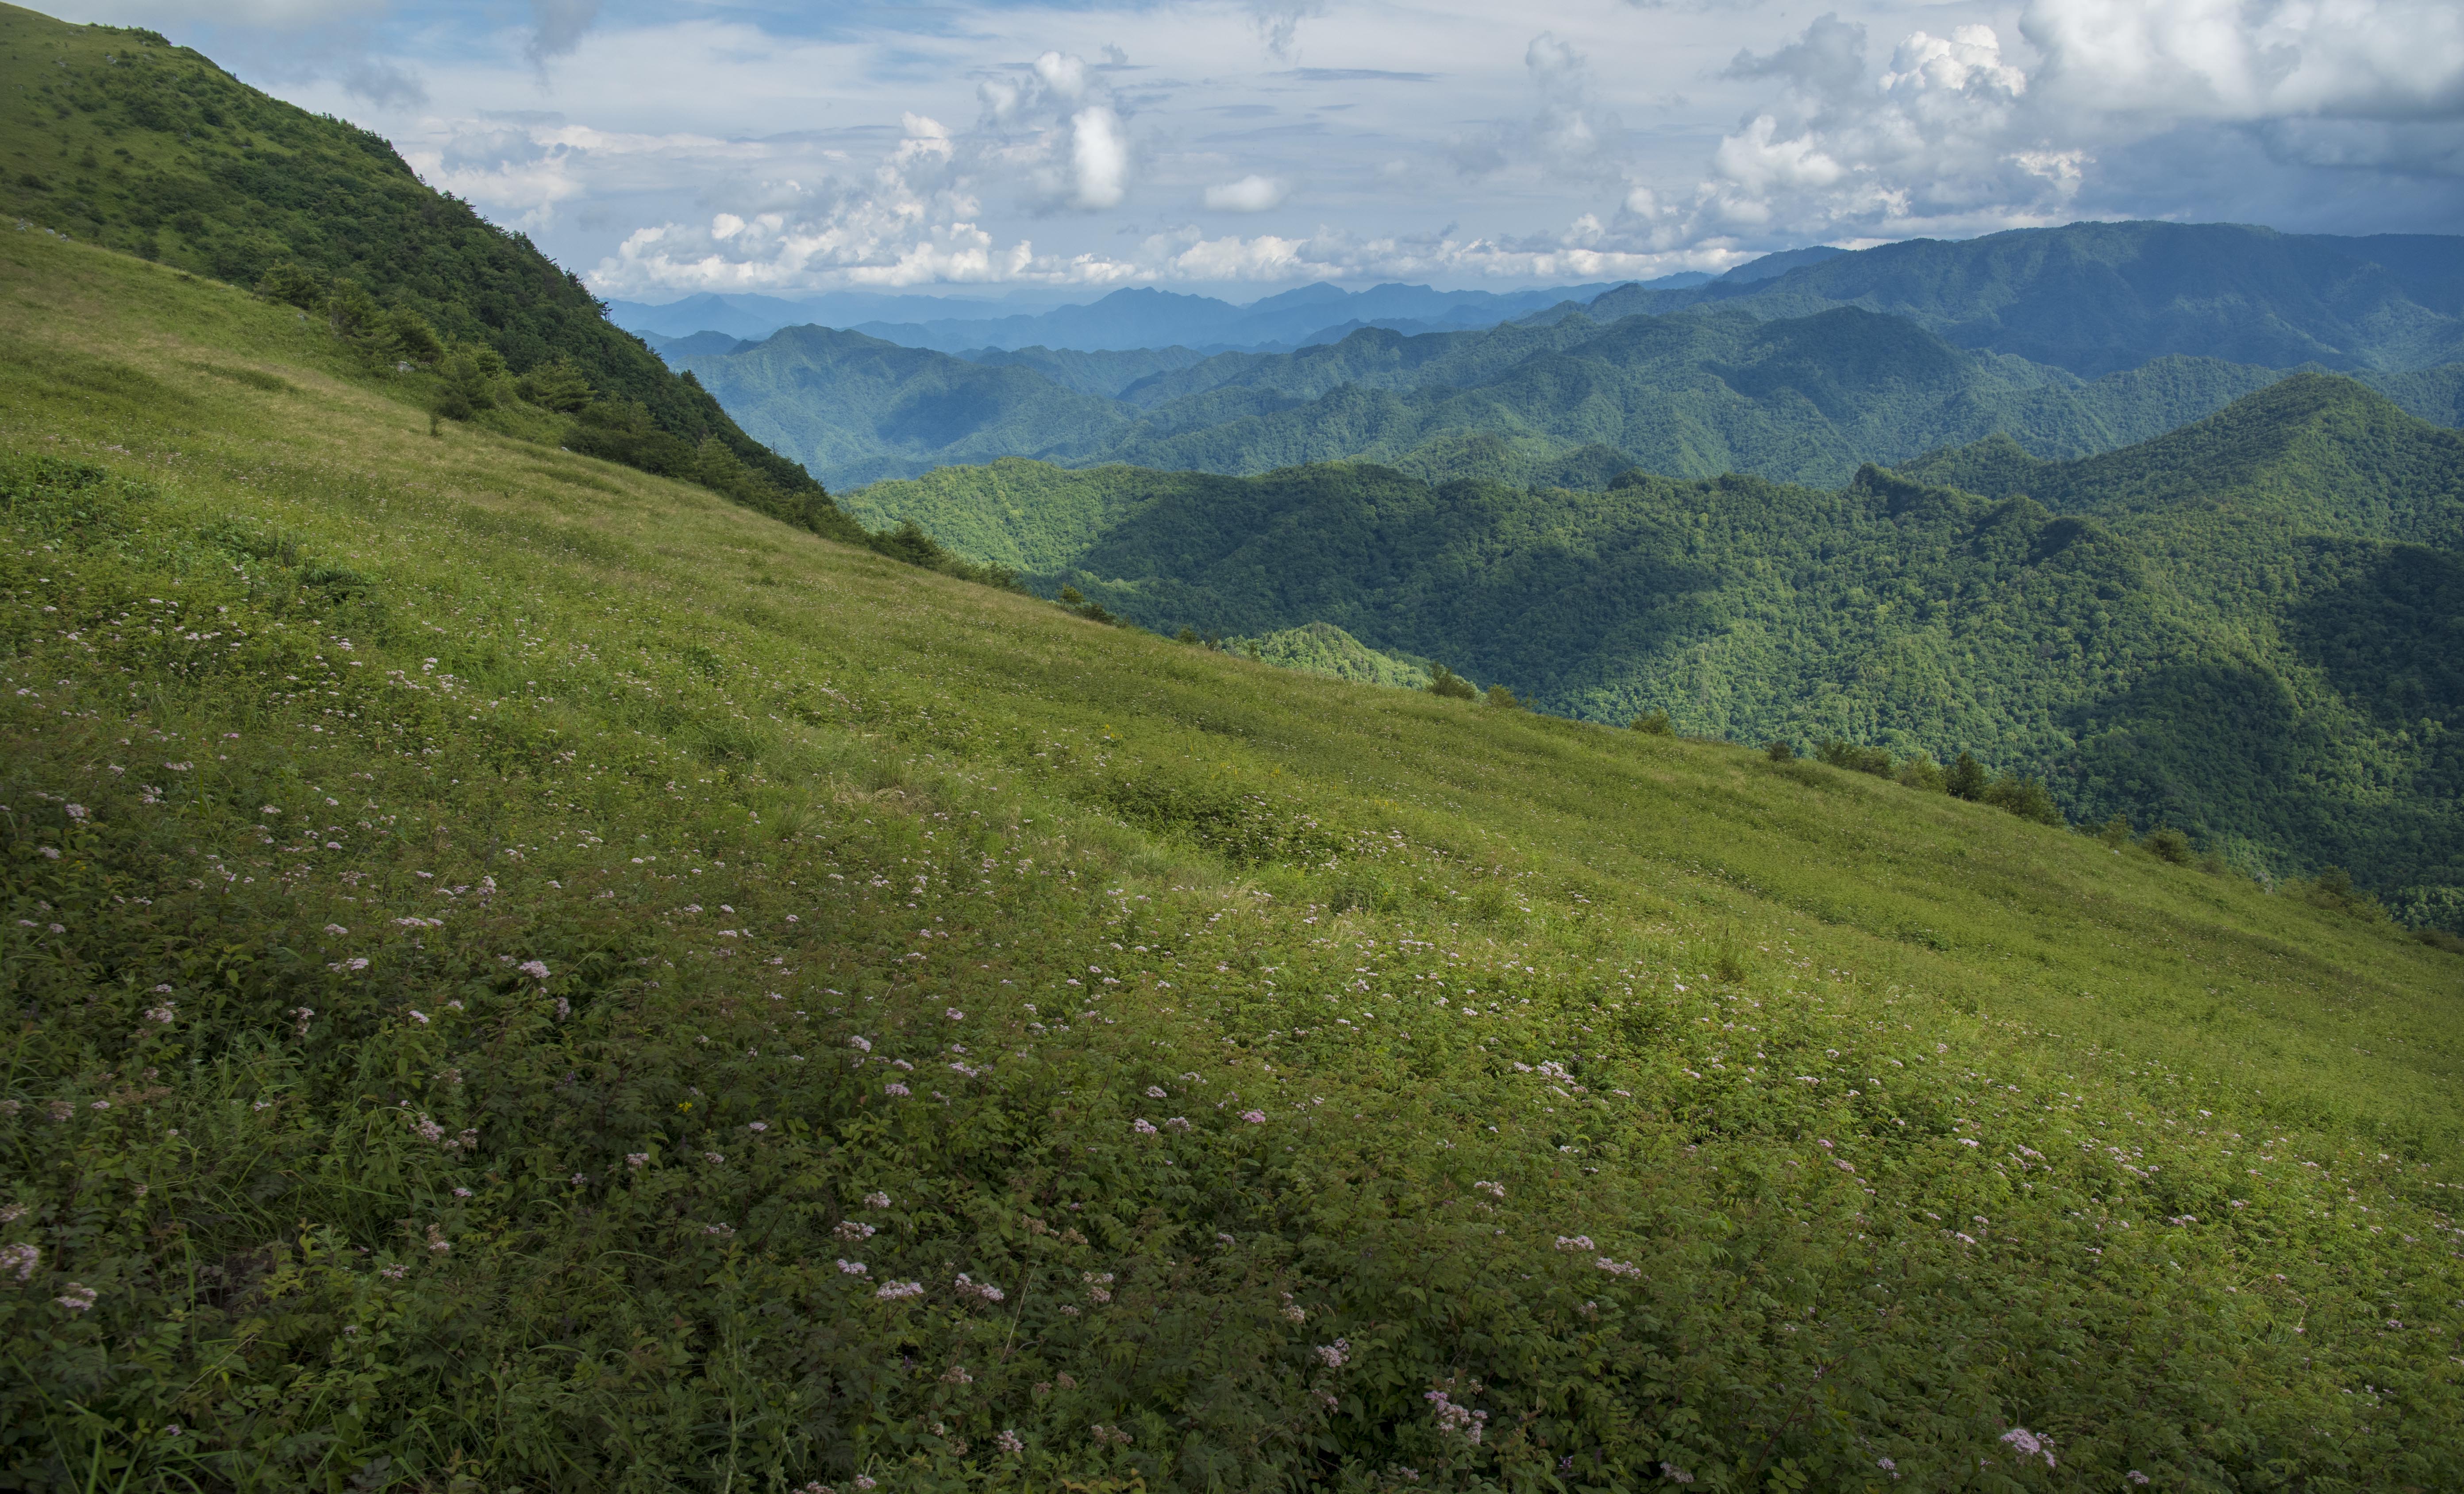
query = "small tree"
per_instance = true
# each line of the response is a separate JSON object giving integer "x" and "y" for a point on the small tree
{"x": 1499, "y": 695}
{"x": 2025, "y": 798}
{"x": 1656, "y": 724}
{"x": 1921, "y": 772}
{"x": 557, "y": 384}
{"x": 1443, "y": 681}
{"x": 2116, "y": 832}
{"x": 294, "y": 284}
{"x": 1780, "y": 749}
{"x": 1965, "y": 779}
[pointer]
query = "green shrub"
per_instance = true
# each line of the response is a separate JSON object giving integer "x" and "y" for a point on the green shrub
{"x": 1921, "y": 772}
{"x": 2116, "y": 832}
{"x": 1847, "y": 755}
{"x": 2024, "y": 797}
{"x": 1965, "y": 779}
{"x": 1443, "y": 681}
{"x": 1653, "y": 723}
{"x": 557, "y": 384}
{"x": 1501, "y": 696}
{"x": 2169, "y": 845}
{"x": 1779, "y": 749}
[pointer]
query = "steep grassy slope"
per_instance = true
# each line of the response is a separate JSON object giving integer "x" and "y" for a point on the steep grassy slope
{"x": 113, "y": 136}
{"x": 529, "y": 976}
{"x": 2238, "y": 630}
{"x": 2098, "y": 298}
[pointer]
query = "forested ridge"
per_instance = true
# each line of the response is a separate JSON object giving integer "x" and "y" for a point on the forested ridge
{"x": 2241, "y": 630}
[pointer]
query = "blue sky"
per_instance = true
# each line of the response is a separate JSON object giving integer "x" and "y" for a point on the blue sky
{"x": 1239, "y": 146}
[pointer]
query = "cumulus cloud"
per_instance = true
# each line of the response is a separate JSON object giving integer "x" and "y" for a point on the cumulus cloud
{"x": 1252, "y": 193}
{"x": 1055, "y": 128}
{"x": 2253, "y": 60}
{"x": 1571, "y": 136}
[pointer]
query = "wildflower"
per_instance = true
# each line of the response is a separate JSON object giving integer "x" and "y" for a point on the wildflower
{"x": 1451, "y": 1417}
{"x": 1335, "y": 1355}
{"x": 2029, "y": 1445}
{"x": 77, "y": 1298}
{"x": 1669, "y": 1470}
{"x": 957, "y": 1375}
{"x": 74, "y": 811}
{"x": 1887, "y": 1466}
{"x": 851, "y": 1268}
{"x": 758, "y": 1126}
{"x": 162, "y": 1013}
{"x": 1493, "y": 1190}
{"x": 1154, "y": 1092}
{"x": 894, "y": 1087}
{"x": 863, "y": 1482}
{"x": 855, "y": 1229}
{"x": 637, "y": 1159}
{"x": 1141, "y": 1127}
{"x": 418, "y": 1015}
{"x": 462, "y": 1193}
{"x": 974, "y": 1288}
{"x": 50, "y": 852}
{"x": 437, "y": 1243}
{"x": 861, "y": 1043}
{"x": 1617, "y": 1268}
{"x": 876, "y": 1200}
{"x": 953, "y": 1014}
{"x": 1574, "y": 1243}
{"x": 714, "y": 1157}
{"x": 394, "y": 1273}
{"x": 722, "y": 1231}
{"x": 428, "y": 1129}
{"x": 564, "y": 1007}
{"x": 2134, "y": 1476}
{"x": 270, "y": 809}
{"x": 336, "y": 929}
{"x": 1009, "y": 1442}
{"x": 1254, "y": 1117}
{"x": 21, "y": 1258}
{"x": 1103, "y": 1433}
{"x": 894, "y": 1290}
{"x": 537, "y": 970}
{"x": 1178, "y": 1123}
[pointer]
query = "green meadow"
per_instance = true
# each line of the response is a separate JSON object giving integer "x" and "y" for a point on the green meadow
{"x": 528, "y": 975}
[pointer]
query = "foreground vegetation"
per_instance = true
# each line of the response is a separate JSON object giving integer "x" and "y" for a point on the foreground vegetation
{"x": 530, "y": 975}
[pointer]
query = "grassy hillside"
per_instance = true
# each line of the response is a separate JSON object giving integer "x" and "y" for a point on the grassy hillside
{"x": 530, "y": 976}
{"x": 2099, "y": 297}
{"x": 2238, "y": 629}
{"x": 113, "y": 136}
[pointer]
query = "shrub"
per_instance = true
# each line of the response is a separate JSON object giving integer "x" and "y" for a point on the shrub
{"x": 2169, "y": 845}
{"x": 1921, "y": 772}
{"x": 1499, "y": 695}
{"x": 1780, "y": 749}
{"x": 1848, "y": 754}
{"x": 2025, "y": 798}
{"x": 1443, "y": 681}
{"x": 2117, "y": 832}
{"x": 557, "y": 385}
{"x": 1655, "y": 724}
{"x": 1965, "y": 779}
{"x": 1072, "y": 599}
{"x": 294, "y": 284}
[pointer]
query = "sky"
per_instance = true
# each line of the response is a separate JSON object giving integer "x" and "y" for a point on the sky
{"x": 1236, "y": 147}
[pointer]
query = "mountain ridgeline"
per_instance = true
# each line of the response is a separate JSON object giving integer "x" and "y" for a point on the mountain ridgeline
{"x": 2243, "y": 629}
{"x": 2071, "y": 340}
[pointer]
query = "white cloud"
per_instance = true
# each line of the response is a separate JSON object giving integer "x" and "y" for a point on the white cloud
{"x": 1252, "y": 193}
{"x": 2253, "y": 60}
{"x": 1099, "y": 159}
{"x": 558, "y": 25}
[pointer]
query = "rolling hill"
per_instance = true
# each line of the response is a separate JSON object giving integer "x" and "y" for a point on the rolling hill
{"x": 527, "y": 973}
{"x": 2235, "y": 628}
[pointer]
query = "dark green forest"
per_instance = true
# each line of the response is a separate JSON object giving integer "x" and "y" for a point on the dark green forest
{"x": 2245, "y": 629}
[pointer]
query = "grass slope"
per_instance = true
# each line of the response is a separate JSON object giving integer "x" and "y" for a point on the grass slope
{"x": 2238, "y": 630}
{"x": 529, "y": 976}
{"x": 115, "y": 137}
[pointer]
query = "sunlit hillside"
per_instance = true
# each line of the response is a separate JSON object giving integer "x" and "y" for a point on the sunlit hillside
{"x": 529, "y": 976}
